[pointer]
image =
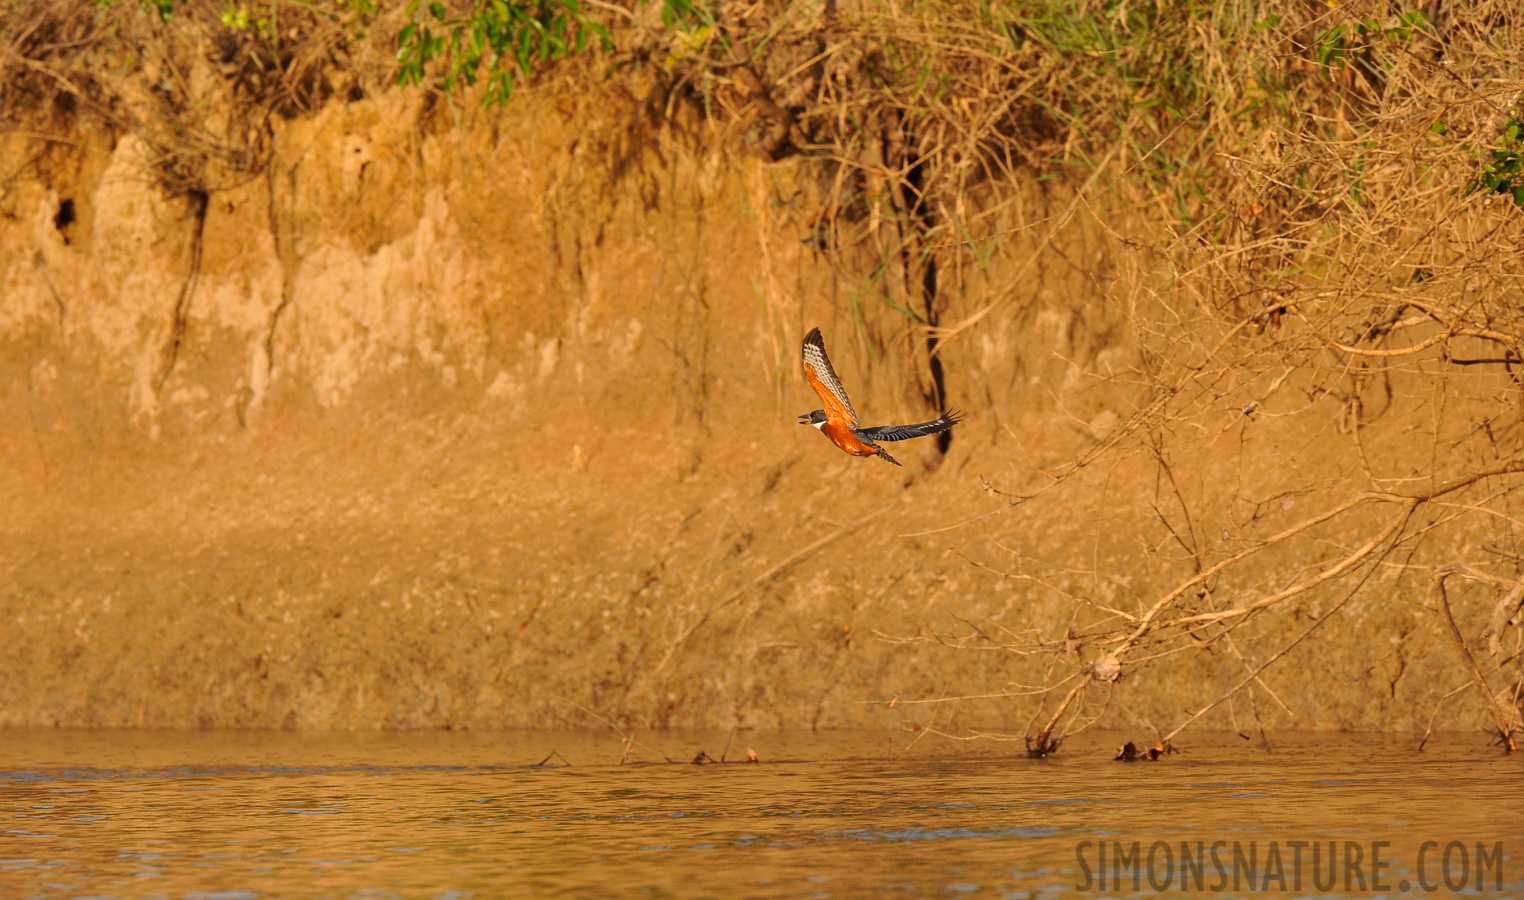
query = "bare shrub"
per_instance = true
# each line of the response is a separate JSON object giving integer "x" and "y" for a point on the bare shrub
{"x": 1343, "y": 274}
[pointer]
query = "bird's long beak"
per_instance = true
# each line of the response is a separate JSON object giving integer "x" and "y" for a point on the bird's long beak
{"x": 804, "y": 419}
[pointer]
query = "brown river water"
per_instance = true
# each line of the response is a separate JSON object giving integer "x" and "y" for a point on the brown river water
{"x": 455, "y": 815}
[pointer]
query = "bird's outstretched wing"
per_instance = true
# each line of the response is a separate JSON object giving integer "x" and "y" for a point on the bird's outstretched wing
{"x": 906, "y": 432}
{"x": 820, "y": 375}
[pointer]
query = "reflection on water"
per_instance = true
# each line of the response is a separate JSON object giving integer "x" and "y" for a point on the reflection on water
{"x": 235, "y": 815}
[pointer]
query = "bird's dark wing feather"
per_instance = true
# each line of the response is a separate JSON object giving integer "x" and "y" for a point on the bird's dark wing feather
{"x": 906, "y": 432}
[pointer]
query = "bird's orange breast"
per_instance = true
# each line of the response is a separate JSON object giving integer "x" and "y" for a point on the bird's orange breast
{"x": 842, "y": 436}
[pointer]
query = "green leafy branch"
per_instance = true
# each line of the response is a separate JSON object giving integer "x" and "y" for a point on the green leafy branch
{"x": 161, "y": 9}
{"x": 1337, "y": 45}
{"x": 1504, "y": 174}
{"x": 507, "y": 37}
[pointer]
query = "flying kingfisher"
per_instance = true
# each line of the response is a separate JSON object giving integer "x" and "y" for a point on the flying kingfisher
{"x": 838, "y": 421}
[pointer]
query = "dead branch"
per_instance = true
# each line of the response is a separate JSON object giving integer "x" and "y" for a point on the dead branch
{"x": 1503, "y": 719}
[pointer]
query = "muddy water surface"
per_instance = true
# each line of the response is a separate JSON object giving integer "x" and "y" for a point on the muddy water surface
{"x": 243, "y": 815}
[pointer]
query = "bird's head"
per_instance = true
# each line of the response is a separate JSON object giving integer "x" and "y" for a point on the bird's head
{"x": 816, "y": 418}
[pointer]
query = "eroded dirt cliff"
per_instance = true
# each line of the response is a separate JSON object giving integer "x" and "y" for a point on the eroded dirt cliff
{"x": 452, "y": 417}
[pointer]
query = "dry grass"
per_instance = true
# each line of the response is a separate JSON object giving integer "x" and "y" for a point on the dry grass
{"x": 208, "y": 90}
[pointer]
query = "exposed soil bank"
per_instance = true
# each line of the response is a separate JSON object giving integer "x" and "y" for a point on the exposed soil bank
{"x": 495, "y": 432}
{"x": 467, "y": 419}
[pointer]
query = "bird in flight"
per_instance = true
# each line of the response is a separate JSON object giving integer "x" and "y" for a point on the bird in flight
{"x": 838, "y": 421}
